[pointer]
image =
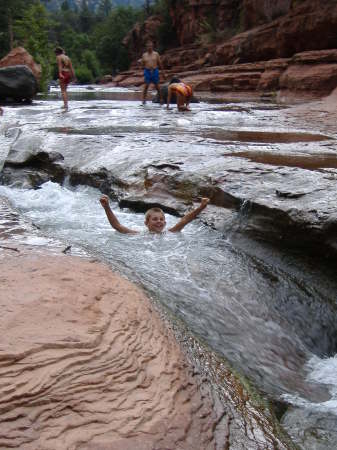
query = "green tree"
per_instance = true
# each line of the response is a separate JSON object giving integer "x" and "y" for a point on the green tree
{"x": 31, "y": 32}
{"x": 65, "y": 6}
{"x": 109, "y": 35}
{"x": 86, "y": 17}
{"x": 10, "y": 11}
{"x": 104, "y": 8}
{"x": 91, "y": 62}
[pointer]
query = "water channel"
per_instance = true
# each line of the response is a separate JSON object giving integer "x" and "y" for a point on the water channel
{"x": 270, "y": 312}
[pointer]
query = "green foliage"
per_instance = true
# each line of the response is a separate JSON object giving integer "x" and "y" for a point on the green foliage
{"x": 10, "y": 11}
{"x": 84, "y": 75}
{"x": 109, "y": 35}
{"x": 31, "y": 32}
{"x": 93, "y": 38}
{"x": 91, "y": 62}
{"x": 104, "y": 9}
{"x": 166, "y": 35}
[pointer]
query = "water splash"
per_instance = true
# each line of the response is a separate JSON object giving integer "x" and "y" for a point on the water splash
{"x": 256, "y": 316}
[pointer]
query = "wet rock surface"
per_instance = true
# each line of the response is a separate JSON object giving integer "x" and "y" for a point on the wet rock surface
{"x": 268, "y": 171}
{"x": 285, "y": 180}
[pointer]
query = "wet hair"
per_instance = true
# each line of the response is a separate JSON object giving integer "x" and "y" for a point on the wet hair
{"x": 175, "y": 80}
{"x": 152, "y": 211}
{"x": 59, "y": 50}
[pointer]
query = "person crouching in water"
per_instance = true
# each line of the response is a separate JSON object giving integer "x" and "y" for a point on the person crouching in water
{"x": 66, "y": 73}
{"x": 183, "y": 94}
{"x": 154, "y": 218}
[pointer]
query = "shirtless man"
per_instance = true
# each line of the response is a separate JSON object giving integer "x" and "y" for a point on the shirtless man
{"x": 151, "y": 61}
{"x": 66, "y": 73}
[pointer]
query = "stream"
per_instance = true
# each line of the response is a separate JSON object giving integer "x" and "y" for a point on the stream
{"x": 271, "y": 312}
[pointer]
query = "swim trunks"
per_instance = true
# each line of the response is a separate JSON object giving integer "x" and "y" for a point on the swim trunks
{"x": 151, "y": 76}
{"x": 183, "y": 89}
{"x": 66, "y": 77}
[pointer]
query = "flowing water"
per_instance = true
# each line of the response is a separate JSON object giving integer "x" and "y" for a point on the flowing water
{"x": 271, "y": 313}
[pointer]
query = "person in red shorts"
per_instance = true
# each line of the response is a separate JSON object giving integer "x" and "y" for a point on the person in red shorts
{"x": 66, "y": 73}
{"x": 183, "y": 94}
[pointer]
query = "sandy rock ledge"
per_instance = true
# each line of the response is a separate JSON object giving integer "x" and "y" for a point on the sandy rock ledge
{"x": 85, "y": 363}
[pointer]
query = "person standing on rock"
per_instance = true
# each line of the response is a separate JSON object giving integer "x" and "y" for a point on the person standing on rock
{"x": 151, "y": 62}
{"x": 66, "y": 73}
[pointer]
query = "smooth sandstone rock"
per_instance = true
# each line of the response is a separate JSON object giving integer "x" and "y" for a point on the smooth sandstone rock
{"x": 86, "y": 363}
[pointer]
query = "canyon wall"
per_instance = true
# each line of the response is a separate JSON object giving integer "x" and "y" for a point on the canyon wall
{"x": 192, "y": 18}
{"x": 289, "y": 44}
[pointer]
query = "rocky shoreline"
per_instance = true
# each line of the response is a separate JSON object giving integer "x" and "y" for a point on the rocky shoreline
{"x": 286, "y": 193}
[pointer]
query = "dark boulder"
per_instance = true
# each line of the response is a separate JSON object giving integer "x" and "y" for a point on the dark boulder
{"x": 17, "y": 83}
{"x": 164, "y": 93}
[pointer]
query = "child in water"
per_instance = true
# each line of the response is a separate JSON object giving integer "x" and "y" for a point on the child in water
{"x": 154, "y": 218}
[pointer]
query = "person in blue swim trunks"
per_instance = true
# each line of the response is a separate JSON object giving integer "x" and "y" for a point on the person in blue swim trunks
{"x": 151, "y": 63}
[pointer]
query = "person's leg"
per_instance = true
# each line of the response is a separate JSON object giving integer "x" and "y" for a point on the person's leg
{"x": 180, "y": 101}
{"x": 146, "y": 87}
{"x": 157, "y": 85}
{"x": 64, "y": 95}
{"x": 147, "y": 81}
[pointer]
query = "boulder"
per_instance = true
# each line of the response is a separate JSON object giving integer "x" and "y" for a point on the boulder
{"x": 17, "y": 83}
{"x": 106, "y": 79}
{"x": 20, "y": 57}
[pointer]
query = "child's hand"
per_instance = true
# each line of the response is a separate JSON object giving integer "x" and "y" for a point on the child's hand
{"x": 104, "y": 201}
{"x": 204, "y": 202}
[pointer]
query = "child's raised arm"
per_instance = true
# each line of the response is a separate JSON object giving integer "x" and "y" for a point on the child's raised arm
{"x": 190, "y": 216}
{"x": 114, "y": 222}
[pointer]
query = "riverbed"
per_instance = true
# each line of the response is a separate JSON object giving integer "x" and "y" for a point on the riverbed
{"x": 269, "y": 310}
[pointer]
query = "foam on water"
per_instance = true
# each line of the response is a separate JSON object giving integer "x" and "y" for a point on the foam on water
{"x": 222, "y": 295}
{"x": 322, "y": 371}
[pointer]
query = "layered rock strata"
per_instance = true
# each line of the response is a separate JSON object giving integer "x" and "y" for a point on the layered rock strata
{"x": 309, "y": 74}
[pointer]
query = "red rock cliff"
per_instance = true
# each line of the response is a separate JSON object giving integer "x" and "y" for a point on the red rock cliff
{"x": 192, "y": 18}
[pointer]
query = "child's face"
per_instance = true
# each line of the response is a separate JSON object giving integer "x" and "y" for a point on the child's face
{"x": 156, "y": 222}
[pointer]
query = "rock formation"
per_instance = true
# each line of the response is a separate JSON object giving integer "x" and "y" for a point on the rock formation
{"x": 290, "y": 46}
{"x": 137, "y": 38}
{"x": 87, "y": 363}
{"x": 20, "y": 57}
{"x": 17, "y": 83}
